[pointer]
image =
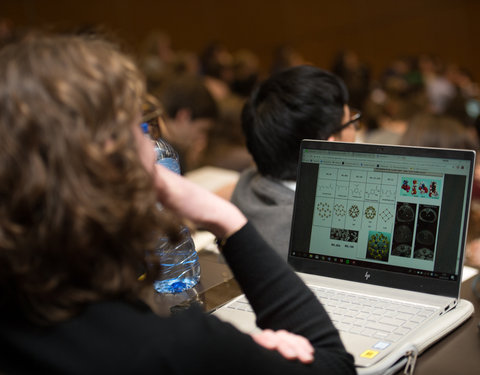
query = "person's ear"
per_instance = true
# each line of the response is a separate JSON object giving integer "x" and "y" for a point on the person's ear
{"x": 331, "y": 138}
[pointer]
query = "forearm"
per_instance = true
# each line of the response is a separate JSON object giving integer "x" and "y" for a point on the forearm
{"x": 205, "y": 209}
{"x": 279, "y": 297}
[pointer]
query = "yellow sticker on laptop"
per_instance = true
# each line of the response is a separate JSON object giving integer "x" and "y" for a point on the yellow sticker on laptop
{"x": 369, "y": 353}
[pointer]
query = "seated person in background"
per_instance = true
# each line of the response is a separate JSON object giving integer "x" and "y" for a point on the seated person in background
{"x": 294, "y": 104}
{"x": 226, "y": 144}
{"x": 79, "y": 222}
{"x": 432, "y": 130}
{"x": 391, "y": 109}
{"x": 190, "y": 112}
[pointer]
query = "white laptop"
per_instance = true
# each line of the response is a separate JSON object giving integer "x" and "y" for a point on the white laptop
{"x": 378, "y": 233}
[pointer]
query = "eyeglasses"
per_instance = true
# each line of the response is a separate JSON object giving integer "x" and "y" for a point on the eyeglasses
{"x": 355, "y": 116}
{"x": 153, "y": 123}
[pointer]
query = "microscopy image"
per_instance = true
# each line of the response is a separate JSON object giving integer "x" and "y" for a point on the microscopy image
{"x": 378, "y": 246}
{"x": 405, "y": 212}
{"x": 344, "y": 235}
{"x": 423, "y": 253}
{"x": 402, "y": 250}
{"x": 425, "y": 237}
{"x": 426, "y": 232}
{"x": 404, "y": 229}
{"x": 428, "y": 214}
{"x": 403, "y": 234}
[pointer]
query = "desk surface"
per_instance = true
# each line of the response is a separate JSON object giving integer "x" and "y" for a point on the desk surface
{"x": 457, "y": 353}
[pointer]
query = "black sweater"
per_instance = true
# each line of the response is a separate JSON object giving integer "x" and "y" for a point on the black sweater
{"x": 115, "y": 337}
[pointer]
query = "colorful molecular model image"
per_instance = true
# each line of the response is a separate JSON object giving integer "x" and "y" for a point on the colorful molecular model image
{"x": 426, "y": 188}
{"x": 405, "y": 186}
{"x": 433, "y": 190}
{"x": 378, "y": 246}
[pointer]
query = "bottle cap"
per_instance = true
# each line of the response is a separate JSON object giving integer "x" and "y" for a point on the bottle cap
{"x": 144, "y": 127}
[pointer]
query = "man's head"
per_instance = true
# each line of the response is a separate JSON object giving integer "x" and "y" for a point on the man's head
{"x": 294, "y": 104}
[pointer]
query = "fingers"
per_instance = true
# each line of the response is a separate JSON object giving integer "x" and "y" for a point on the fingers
{"x": 266, "y": 338}
{"x": 289, "y": 345}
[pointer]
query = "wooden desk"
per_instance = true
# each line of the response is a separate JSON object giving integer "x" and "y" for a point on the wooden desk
{"x": 459, "y": 352}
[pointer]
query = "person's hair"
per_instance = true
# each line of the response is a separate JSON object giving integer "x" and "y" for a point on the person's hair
{"x": 78, "y": 217}
{"x": 432, "y": 130}
{"x": 294, "y": 104}
{"x": 187, "y": 92}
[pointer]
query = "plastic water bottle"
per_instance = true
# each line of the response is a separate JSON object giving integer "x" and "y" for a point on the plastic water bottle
{"x": 180, "y": 266}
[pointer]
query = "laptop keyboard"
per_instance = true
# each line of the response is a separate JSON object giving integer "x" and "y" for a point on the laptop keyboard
{"x": 369, "y": 316}
{"x": 376, "y": 317}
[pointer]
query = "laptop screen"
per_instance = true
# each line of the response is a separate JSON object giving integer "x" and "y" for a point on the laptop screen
{"x": 396, "y": 215}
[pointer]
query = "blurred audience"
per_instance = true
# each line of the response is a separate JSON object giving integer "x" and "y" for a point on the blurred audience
{"x": 246, "y": 72}
{"x": 156, "y": 54}
{"x": 286, "y": 56}
{"x": 216, "y": 64}
{"x": 431, "y": 130}
{"x": 440, "y": 91}
{"x": 390, "y": 110}
{"x": 190, "y": 113}
{"x": 226, "y": 144}
{"x": 356, "y": 76}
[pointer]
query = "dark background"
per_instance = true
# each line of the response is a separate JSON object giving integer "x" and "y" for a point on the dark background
{"x": 377, "y": 30}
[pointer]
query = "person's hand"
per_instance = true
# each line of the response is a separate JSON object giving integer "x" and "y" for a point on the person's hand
{"x": 196, "y": 204}
{"x": 289, "y": 345}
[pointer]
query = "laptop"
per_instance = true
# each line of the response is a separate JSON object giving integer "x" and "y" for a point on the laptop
{"x": 378, "y": 234}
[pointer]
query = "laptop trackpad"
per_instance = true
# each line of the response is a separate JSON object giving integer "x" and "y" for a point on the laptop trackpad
{"x": 242, "y": 320}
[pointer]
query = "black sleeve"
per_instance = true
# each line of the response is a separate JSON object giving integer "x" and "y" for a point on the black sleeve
{"x": 279, "y": 297}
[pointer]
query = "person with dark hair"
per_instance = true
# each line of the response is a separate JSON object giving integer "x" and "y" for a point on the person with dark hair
{"x": 294, "y": 104}
{"x": 190, "y": 113}
{"x": 432, "y": 130}
{"x": 79, "y": 224}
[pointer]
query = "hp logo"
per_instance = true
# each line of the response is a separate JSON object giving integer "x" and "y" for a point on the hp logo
{"x": 367, "y": 275}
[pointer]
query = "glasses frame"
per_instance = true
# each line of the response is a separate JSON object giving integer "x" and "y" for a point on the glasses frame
{"x": 152, "y": 115}
{"x": 155, "y": 122}
{"x": 355, "y": 118}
